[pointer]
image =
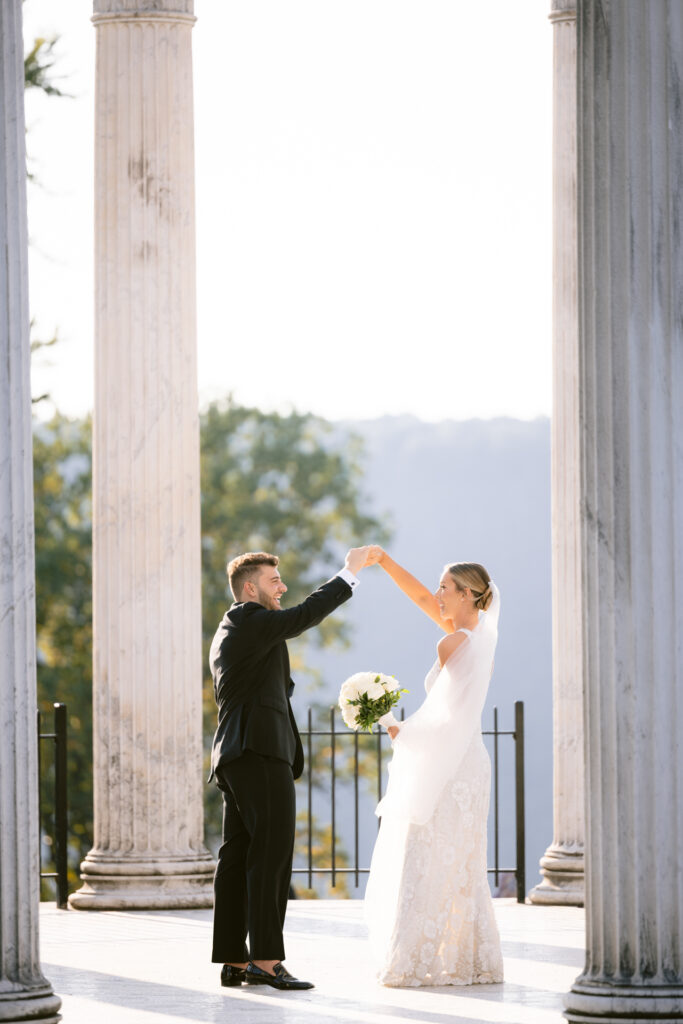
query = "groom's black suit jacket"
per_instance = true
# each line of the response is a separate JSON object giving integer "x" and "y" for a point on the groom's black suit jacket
{"x": 252, "y": 685}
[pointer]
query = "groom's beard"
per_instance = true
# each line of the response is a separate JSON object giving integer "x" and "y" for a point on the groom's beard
{"x": 272, "y": 603}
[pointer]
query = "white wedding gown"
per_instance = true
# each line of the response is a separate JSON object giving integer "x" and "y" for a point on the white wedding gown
{"x": 427, "y": 905}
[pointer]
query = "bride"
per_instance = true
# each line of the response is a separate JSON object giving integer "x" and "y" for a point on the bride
{"x": 427, "y": 904}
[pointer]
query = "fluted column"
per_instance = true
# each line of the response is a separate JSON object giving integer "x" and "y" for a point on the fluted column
{"x": 148, "y": 849}
{"x": 25, "y": 994}
{"x": 630, "y": 67}
{"x": 562, "y": 865}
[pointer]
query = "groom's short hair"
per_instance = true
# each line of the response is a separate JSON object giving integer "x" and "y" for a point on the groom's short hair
{"x": 245, "y": 567}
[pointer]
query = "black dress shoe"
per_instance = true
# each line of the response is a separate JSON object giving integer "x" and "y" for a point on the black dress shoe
{"x": 281, "y": 978}
{"x": 232, "y": 975}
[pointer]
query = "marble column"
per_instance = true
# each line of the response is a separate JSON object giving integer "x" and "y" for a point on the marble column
{"x": 25, "y": 994}
{"x": 562, "y": 865}
{"x": 630, "y": 178}
{"x": 148, "y": 846}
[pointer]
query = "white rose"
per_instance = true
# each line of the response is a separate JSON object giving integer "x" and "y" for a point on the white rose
{"x": 353, "y": 686}
{"x": 349, "y": 716}
{"x": 375, "y": 690}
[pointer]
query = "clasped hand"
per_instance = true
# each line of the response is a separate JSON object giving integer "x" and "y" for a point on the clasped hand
{"x": 359, "y": 558}
{"x": 374, "y": 555}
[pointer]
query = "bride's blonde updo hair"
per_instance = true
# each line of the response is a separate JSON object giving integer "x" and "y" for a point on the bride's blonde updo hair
{"x": 474, "y": 576}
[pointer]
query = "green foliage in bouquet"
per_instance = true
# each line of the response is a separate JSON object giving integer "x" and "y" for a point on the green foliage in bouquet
{"x": 371, "y": 709}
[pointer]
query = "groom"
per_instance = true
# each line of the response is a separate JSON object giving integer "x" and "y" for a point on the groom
{"x": 256, "y": 756}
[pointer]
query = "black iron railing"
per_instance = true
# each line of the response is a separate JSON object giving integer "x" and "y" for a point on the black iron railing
{"x": 374, "y": 745}
{"x": 59, "y": 845}
{"x": 520, "y": 838}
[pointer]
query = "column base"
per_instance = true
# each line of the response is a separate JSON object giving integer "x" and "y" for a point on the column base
{"x": 622, "y": 1004}
{"x": 32, "y": 1004}
{"x": 129, "y": 883}
{"x": 563, "y": 879}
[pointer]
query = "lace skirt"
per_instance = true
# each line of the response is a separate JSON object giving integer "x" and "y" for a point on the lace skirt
{"x": 428, "y": 904}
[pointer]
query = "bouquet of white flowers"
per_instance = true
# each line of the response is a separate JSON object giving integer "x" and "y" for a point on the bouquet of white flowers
{"x": 366, "y": 696}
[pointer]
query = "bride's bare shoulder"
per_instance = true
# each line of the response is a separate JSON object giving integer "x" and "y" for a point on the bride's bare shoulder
{"x": 447, "y": 645}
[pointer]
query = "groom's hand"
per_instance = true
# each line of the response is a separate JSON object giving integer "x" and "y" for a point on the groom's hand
{"x": 375, "y": 554}
{"x": 356, "y": 558}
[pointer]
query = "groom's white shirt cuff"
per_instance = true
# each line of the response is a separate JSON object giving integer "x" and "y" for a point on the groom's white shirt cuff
{"x": 348, "y": 577}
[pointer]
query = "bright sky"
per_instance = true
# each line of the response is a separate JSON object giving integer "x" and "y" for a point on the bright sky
{"x": 373, "y": 205}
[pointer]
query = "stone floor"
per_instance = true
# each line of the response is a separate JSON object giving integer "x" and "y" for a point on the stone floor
{"x": 146, "y": 967}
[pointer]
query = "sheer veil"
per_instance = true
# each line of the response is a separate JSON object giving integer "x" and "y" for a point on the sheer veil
{"x": 432, "y": 743}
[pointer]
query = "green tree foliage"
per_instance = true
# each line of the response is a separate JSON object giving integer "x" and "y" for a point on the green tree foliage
{"x": 290, "y": 484}
{"x": 62, "y": 483}
{"x": 39, "y": 346}
{"x": 321, "y": 844}
{"x": 286, "y": 484}
{"x": 38, "y": 65}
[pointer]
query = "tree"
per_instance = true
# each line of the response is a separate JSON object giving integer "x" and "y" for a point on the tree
{"x": 288, "y": 484}
{"x": 62, "y": 485}
{"x": 291, "y": 484}
{"x": 321, "y": 844}
{"x": 38, "y": 65}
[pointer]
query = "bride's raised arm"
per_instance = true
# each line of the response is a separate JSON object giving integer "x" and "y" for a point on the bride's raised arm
{"x": 410, "y": 585}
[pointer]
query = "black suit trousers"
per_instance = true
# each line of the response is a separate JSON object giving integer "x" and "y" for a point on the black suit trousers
{"x": 254, "y": 868}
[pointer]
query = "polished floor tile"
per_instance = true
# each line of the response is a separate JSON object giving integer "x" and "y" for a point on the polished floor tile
{"x": 144, "y": 967}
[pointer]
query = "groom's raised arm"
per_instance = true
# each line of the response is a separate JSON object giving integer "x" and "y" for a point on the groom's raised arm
{"x": 287, "y": 623}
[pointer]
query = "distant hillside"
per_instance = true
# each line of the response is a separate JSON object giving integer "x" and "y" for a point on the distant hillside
{"x": 477, "y": 490}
